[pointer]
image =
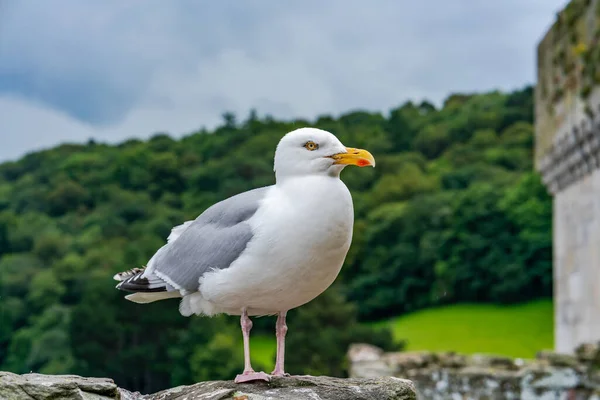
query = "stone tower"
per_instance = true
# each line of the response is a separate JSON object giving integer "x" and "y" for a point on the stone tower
{"x": 567, "y": 154}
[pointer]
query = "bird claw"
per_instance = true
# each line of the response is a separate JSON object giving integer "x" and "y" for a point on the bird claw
{"x": 252, "y": 376}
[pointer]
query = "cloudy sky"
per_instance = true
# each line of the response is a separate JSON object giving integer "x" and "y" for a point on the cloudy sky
{"x": 112, "y": 69}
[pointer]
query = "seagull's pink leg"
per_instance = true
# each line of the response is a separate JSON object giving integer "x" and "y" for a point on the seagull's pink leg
{"x": 248, "y": 374}
{"x": 281, "y": 330}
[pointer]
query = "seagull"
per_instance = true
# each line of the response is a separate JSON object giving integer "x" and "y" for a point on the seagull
{"x": 264, "y": 251}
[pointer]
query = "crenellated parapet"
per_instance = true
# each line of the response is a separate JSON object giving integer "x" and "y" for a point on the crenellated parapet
{"x": 573, "y": 155}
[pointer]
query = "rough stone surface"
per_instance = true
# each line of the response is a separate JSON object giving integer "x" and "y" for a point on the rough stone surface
{"x": 55, "y": 387}
{"x": 294, "y": 388}
{"x": 67, "y": 387}
{"x": 454, "y": 376}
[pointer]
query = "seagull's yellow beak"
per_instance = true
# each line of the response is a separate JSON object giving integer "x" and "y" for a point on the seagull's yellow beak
{"x": 358, "y": 157}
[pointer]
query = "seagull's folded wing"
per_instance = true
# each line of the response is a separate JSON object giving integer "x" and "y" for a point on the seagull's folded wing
{"x": 214, "y": 240}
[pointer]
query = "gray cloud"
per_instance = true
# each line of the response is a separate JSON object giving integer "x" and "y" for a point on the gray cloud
{"x": 71, "y": 69}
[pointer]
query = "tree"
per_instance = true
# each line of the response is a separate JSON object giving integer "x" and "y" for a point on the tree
{"x": 229, "y": 120}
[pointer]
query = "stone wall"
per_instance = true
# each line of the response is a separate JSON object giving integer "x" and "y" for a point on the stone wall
{"x": 577, "y": 263}
{"x": 440, "y": 376}
{"x": 567, "y": 154}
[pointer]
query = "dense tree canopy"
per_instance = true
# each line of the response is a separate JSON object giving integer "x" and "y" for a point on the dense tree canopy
{"x": 452, "y": 213}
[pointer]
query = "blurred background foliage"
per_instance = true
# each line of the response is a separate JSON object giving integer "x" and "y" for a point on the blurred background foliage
{"x": 453, "y": 213}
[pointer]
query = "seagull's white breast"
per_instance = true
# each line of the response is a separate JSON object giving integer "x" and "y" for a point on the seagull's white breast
{"x": 303, "y": 231}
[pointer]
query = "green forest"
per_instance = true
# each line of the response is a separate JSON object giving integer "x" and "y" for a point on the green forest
{"x": 452, "y": 213}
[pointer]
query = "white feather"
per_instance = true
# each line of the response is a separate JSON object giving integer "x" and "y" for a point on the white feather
{"x": 177, "y": 231}
{"x": 149, "y": 297}
{"x": 302, "y": 235}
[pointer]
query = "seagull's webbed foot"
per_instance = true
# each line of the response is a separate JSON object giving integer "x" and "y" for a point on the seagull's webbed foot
{"x": 280, "y": 373}
{"x": 252, "y": 376}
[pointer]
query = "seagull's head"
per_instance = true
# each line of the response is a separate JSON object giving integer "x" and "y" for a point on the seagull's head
{"x": 311, "y": 151}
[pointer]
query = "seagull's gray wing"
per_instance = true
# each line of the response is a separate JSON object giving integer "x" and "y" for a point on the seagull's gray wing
{"x": 212, "y": 241}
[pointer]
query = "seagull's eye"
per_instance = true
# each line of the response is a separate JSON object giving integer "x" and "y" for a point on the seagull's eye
{"x": 310, "y": 145}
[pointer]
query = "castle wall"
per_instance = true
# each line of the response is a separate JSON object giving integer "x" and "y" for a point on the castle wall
{"x": 577, "y": 263}
{"x": 567, "y": 154}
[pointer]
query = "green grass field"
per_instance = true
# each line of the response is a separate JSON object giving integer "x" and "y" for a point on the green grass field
{"x": 263, "y": 350}
{"x": 517, "y": 331}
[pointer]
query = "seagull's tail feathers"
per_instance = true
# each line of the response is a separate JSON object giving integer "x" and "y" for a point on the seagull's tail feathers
{"x": 121, "y": 276}
{"x": 146, "y": 297}
{"x": 146, "y": 289}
